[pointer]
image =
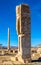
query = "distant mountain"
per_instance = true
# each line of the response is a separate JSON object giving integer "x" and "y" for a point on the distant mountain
{"x": 5, "y": 47}
{"x": 39, "y": 45}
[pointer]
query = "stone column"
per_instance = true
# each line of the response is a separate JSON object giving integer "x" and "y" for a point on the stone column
{"x": 23, "y": 27}
{"x": 8, "y": 38}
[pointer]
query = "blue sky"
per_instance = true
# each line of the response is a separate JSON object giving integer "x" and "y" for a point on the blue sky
{"x": 8, "y": 19}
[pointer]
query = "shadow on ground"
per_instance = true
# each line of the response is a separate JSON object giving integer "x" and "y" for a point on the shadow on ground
{"x": 39, "y": 60}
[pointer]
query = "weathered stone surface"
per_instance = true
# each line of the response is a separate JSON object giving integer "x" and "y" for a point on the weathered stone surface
{"x": 23, "y": 30}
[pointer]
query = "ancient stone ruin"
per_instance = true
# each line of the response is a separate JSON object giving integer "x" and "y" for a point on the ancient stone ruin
{"x": 23, "y": 27}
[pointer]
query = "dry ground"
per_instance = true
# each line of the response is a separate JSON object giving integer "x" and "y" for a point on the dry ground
{"x": 6, "y": 61}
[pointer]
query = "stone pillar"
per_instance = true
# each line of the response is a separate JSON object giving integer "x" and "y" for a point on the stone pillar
{"x": 8, "y": 38}
{"x": 23, "y": 27}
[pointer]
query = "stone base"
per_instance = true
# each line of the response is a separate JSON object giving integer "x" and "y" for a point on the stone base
{"x": 23, "y": 61}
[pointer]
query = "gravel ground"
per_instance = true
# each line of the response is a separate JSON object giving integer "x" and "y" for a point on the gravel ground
{"x": 35, "y": 63}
